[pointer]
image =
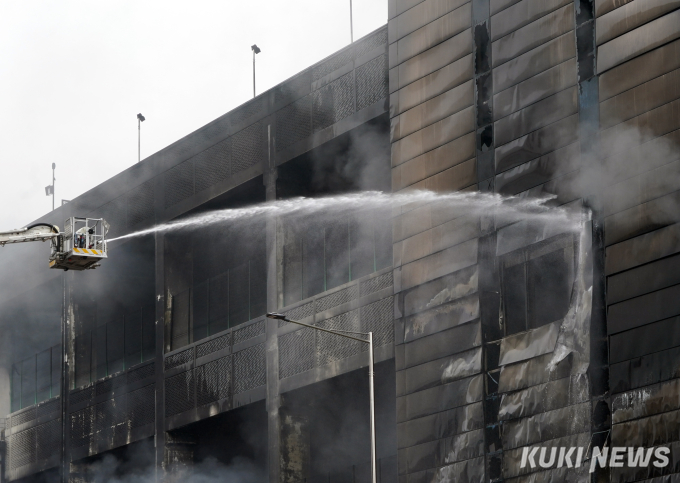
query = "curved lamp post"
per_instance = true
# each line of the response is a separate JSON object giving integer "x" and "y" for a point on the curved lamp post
{"x": 371, "y": 374}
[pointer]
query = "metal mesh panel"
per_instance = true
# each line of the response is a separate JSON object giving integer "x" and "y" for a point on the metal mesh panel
{"x": 247, "y": 110}
{"x": 378, "y": 318}
{"x": 296, "y": 352}
{"x": 114, "y": 213}
{"x": 179, "y": 393}
{"x": 23, "y": 417}
{"x": 371, "y": 79}
{"x": 104, "y": 387}
{"x": 253, "y": 330}
{"x": 369, "y": 43}
{"x": 331, "y": 347}
{"x": 217, "y": 129}
{"x": 141, "y": 373}
{"x": 332, "y": 64}
{"x": 301, "y": 312}
{"x": 140, "y": 202}
{"x": 48, "y": 438}
{"x": 213, "y": 381}
{"x": 178, "y": 359}
{"x": 287, "y": 91}
{"x": 337, "y": 298}
{"x": 81, "y": 427}
{"x": 376, "y": 284}
{"x": 22, "y": 448}
{"x": 141, "y": 407}
{"x": 333, "y": 102}
{"x": 179, "y": 183}
{"x": 249, "y": 368}
{"x": 49, "y": 407}
{"x": 294, "y": 122}
{"x": 83, "y": 395}
{"x": 214, "y": 345}
{"x": 247, "y": 148}
{"x": 212, "y": 165}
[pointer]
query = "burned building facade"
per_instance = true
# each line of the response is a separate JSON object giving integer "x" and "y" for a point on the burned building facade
{"x": 493, "y": 334}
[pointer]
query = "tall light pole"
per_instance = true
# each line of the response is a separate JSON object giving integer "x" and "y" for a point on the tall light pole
{"x": 140, "y": 119}
{"x": 49, "y": 190}
{"x": 351, "y": 23}
{"x": 256, "y": 50}
{"x": 371, "y": 376}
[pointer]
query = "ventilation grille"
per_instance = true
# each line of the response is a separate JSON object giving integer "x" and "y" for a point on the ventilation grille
{"x": 247, "y": 110}
{"x": 303, "y": 350}
{"x": 81, "y": 396}
{"x": 337, "y": 298}
{"x": 294, "y": 123}
{"x": 212, "y": 165}
{"x": 299, "y": 313}
{"x": 48, "y": 439}
{"x": 253, "y": 330}
{"x": 249, "y": 368}
{"x": 141, "y": 408}
{"x": 369, "y": 43}
{"x": 372, "y": 82}
{"x": 247, "y": 147}
{"x": 179, "y": 183}
{"x": 332, "y": 64}
{"x": 332, "y": 348}
{"x": 179, "y": 393}
{"x": 213, "y": 381}
{"x": 333, "y": 102}
{"x": 141, "y": 373}
{"x": 22, "y": 448}
{"x": 109, "y": 385}
{"x": 378, "y": 318}
{"x": 213, "y": 345}
{"x": 376, "y": 284}
{"x": 140, "y": 202}
{"x": 81, "y": 427}
{"x": 24, "y": 417}
{"x": 296, "y": 352}
{"x": 178, "y": 359}
{"x": 49, "y": 407}
{"x": 288, "y": 91}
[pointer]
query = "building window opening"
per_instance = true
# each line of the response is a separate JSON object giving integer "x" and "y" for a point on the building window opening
{"x": 537, "y": 284}
{"x": 36, "y": 379}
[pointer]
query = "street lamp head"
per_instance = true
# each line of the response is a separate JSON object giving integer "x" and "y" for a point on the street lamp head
{"x": 140, "y": 117}
{"x": 255, "y": 48}
{"x": 274, "y": 315}
{"x": 54, "y": 165}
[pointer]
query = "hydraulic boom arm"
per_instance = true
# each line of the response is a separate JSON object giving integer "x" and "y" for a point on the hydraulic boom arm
{"x": 81, "y": 246}
{"x": 37, "y": 232}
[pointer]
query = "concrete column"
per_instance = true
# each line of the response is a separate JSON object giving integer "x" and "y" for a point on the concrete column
{"x": 294, "y": 447}
{"x": 162, "y": 303}
{"x": 271, "y": 344}
{"x": 178, "y": 460}
{"x": 67, "y": 372}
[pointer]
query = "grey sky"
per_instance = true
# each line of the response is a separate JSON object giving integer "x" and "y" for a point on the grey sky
{"x": 75, "y": 73}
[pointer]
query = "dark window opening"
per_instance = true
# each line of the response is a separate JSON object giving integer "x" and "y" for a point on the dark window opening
{"x": 537, "y": 284}
{"x": 324, "y": 251}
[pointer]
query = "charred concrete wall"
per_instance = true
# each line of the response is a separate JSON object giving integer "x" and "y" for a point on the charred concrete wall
{"x": 570, "y": 99}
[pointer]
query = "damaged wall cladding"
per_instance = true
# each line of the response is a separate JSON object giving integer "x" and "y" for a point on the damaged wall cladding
{"x": 499, "y": 336}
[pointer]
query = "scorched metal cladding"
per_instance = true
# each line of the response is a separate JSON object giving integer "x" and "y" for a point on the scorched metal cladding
{"x": 516, "y": 340}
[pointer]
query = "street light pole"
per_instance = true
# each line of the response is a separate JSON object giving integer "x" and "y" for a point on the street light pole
{"x": 140, "y": 119}
{"x": 351, "y": 23}
{"x": 371, "y": 376}
{"x": 54, "y": 165}
{"x": 256, "y": 50}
